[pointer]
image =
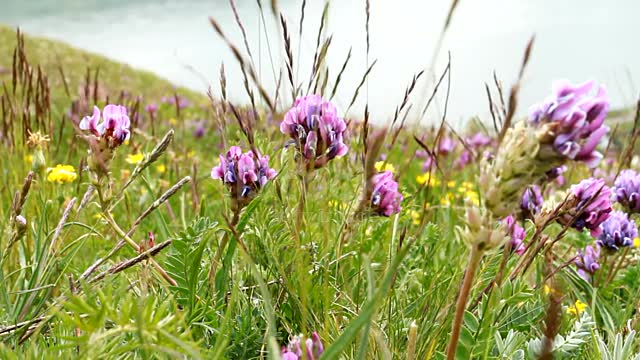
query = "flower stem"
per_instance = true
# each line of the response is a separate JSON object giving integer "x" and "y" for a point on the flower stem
{"x": 135, "y": 246}
{"x": 474, "y": 260}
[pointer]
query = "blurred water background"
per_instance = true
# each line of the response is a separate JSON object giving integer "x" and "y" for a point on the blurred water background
{"x": 575, "y": 39}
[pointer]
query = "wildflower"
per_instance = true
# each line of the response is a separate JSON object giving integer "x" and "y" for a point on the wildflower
{"x": 134, "y": 158}
{"x": 531, "y": 202}
{"x": 472, "y": 197}
{"x": 114, "y": 128}
{"x": 617, "y": 231}
{"x": 447, "y": 199}
{"x": 243, "y": 174}
{"x": 464, "y": 159}
{"x": 429, "y": 163}
{"x": 587, "y": 261}
{"x": 161, "y": 168}
{"x": 37, "y": 140}
{"x": 316, "y": 130}
{"x": 516, "y": 233}
{"x": 381, "y": 166}
{"x": 578, "y": 308}
{"x": 151, "y": 108}
{"x": 415, "y": 217}
{"x": 313, "y": 348}
{"x": 28, "y": 158}
{"x": 636, "y": 242}
{"x": 62, "y": 174}
{"x": 593, "y": 206}
{"x": 385, "y": 198}
{"x": 446, "y": 146}
{"x": 572, "y": 121}
{"x": 451, "y": 183}
{"x": 626, "y": 190}
{"x": 513, "y": 168}
{"x": 478, "y": 140}
{"x": 431, "y": 178}
{"x": 182, "y": 102}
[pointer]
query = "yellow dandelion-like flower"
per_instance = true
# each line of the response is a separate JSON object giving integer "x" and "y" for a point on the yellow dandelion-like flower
{"x": 161, "y": 168}
{"x": 62, "y": 174}
{"x": 422, "y": 179}
{"x": 415, "y": 217}
{"x": 384, "y": 166}
{"x": 28, "y": 158}
{"x": 173, "y": 121}
{"x": 338, "y": 204}
{"x": 548, "y": 290}
{"x": 368, "y": 231}
{"x": 636, "y": 242}
{"x": 577, "y": 309}
{"x": 447, "y": 199}
{"x": 451, "y": 184}
{"x": 467, "y": 185}
{"x": 473, "y": 197}
{"x": 134, "y": 158}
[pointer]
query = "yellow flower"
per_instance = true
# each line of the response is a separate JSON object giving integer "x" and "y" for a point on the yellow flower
{"x": 134, "y": 158}
{"x": 451, "y": 184}
{"x": 548, "y": 290}
{"x": 421, "y": 179}
{"x": 447, "y": 199}
{"x": 636, "y": 242}
{"x": 161, "y": 168}
{"x": 28, "y": 158}
{"x": 384, "y": 166}
{"x": 473, "y": 197}
{"x": 338, "y": 204}
{"x": 415, "y": 216}
{"x": 62, "y": 174}
{"x": 173, "y": 121}
{"x": 191, "y": 154}
{"x": 577, "y": 309}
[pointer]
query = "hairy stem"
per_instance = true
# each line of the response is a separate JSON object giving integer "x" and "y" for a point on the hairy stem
{"x": 474, "y": 260}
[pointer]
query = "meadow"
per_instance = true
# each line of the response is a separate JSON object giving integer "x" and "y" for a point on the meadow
{"x": 143, "y": 220}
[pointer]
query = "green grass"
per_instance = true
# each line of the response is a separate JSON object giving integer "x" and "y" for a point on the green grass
{"x": 114, "y": 77}
{"x": 284, "y": 271}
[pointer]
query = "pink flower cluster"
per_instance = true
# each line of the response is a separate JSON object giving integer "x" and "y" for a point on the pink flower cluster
{"x": 316, "y": 129}
{"x": 243, "y": 174}
{"x": 114, "y": 127}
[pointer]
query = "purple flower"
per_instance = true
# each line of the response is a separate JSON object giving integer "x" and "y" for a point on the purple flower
{"x": 446, "y": 146}
{"x": 313, "y": 347}
{"x": 464, "y": 159}
{"x": 516, "y": 233}
{"x": 316, "y": 129}
{"x": 574, "y": 120}
{"x": 626, "y": 190}
{"x": 587, "y": 261}
{"x": 182, "y": 101}
{"x": 531, "y": 202}
{"x": 114, "y": 127}
{"x": 385, "y": 198}
{"x": 428, "y": 164}
{"x": 151, "y": 108}
{"x": 242, "y": 174}
{"x": 617, "y": 231}
{"x": 594, "y": 205}
{"x": 478, "y": 140}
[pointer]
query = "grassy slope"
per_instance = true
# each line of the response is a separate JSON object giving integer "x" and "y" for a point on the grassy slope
{"x": 51, "y": 54}
{"x": 135, "y": 314}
